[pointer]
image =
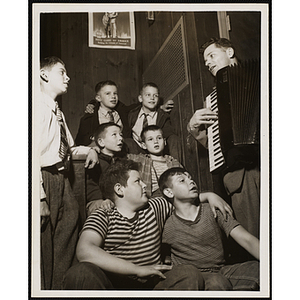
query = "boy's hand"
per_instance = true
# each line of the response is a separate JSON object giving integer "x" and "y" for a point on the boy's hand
{"x": 216, "y": 201}
{"x": 145, "y": 271}
{"x": 96, "y": 204}
{"x": 92, "y": 159}
{"x": 107, "y": 204}
{"x": 164, "y": 267}
{"x": 45, "y": 212}
{"x": 168, "y": 260}
{"x": 168, "y": 106}
{"x": 89, "y": 109}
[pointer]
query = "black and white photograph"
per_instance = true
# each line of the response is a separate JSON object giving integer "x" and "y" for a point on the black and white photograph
{"x": 150, "y": 150}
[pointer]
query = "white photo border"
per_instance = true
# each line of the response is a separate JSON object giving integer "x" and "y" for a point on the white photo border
{"x": 37, "y": 9}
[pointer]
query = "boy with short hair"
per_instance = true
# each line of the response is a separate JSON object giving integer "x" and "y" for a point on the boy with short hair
{"x": 149, "y": 114}
{"x": 195, "y": 236}
{"x": 155, "y": 162}
{"x": 120, "y": 248}
{"x": 105, "y": 110}
{"x": 58, "y": 206}
{"x": 108, "y": 137}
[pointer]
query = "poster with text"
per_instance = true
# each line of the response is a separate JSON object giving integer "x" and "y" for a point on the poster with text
{"x": 112, "y": 30}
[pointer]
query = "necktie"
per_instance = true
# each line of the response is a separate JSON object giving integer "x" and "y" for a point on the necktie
{"x": 145, "y": 121}
{"x": 111, "y": 117}
{"x": 64, "y": 146}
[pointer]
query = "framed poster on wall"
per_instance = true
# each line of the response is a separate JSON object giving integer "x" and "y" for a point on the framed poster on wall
{"x": 112, "y": 30}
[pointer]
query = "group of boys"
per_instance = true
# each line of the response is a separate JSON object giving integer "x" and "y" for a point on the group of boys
{"x": 140, "y": 197}
{"x": 106, "y": 107}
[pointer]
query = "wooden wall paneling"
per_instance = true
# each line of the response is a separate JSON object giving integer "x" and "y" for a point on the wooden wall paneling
{"x": 147, "y": 45}
{"x": 151, "y": 37}
{"x": 142, "y": 43}
{"x": 191, "y": 159}
{"x": 164, "y": 24}
{"x": 154, "y": 41}
{"x": 245, "y": 34}
{"x": 207, "y": 27}
{"x": 50, "y": 38}
{"x": 113, "y": 63}
{"x": 134, "y": 75}
{"x": 50, "y": 34}
{"x": 72, "y": 54}
{"x": 139, "y": 41}
{"x": 89, "y": 70}
{"x": 98, "y": 67}
{"x": 126, "y": 74}
{"x": 143, "y": 39}
{"x": 188, "y": 96}
{"x": 76, "y": 111}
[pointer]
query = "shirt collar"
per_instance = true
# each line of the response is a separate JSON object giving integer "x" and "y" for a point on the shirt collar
{"x": 105, "y": 157}
{"x": 151, "y": 114}
{"x": 190, "y": 222}
{"x": 104, "y": 111}
{"x": 48, "y": 101}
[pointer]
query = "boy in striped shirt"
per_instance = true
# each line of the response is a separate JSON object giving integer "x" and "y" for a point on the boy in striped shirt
{"x": 120, "y": 248}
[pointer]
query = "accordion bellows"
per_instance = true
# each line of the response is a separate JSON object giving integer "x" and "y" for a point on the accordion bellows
{"x": 238, "y": 105}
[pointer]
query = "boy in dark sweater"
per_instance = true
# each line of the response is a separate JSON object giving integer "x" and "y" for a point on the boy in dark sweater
{"x": 108, "y": 137}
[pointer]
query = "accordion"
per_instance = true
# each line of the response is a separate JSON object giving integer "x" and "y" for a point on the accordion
{"x": 234, "y": 137}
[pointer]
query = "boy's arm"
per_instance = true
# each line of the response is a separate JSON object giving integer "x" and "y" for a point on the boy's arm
{"x": 166, "y": 253}
{"x": 90, "y": 153}
{"x": 216, "y": 202}
{"x": 93, "y": 190}
{"x": 44, "y": 208}
{"x": 93, "y": 205}
{"x": 167, "y": 106}
{"x": 246, "y": 240}
{"x": 88, "y": 250}
{"x": 89, "y": 109}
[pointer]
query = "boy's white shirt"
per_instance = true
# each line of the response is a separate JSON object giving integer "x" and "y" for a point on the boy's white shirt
{"x": 138, "y": 126}
{"x": 49, "y": 140}
{"x": 103, "y": 116}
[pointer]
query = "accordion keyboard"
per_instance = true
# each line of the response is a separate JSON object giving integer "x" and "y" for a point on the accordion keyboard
{"x": 216, "y": 158}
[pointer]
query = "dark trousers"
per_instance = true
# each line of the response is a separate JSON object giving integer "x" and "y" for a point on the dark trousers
{"x": 87, "y": 276}
{"x": 237, "y": 277}
{"x": 243, "y": 276}
{"x": 60, "y": 233}
{"x": 244, "y": 188}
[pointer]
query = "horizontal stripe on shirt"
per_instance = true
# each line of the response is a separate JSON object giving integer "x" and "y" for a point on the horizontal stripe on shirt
{"x": 137, "y": 240}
